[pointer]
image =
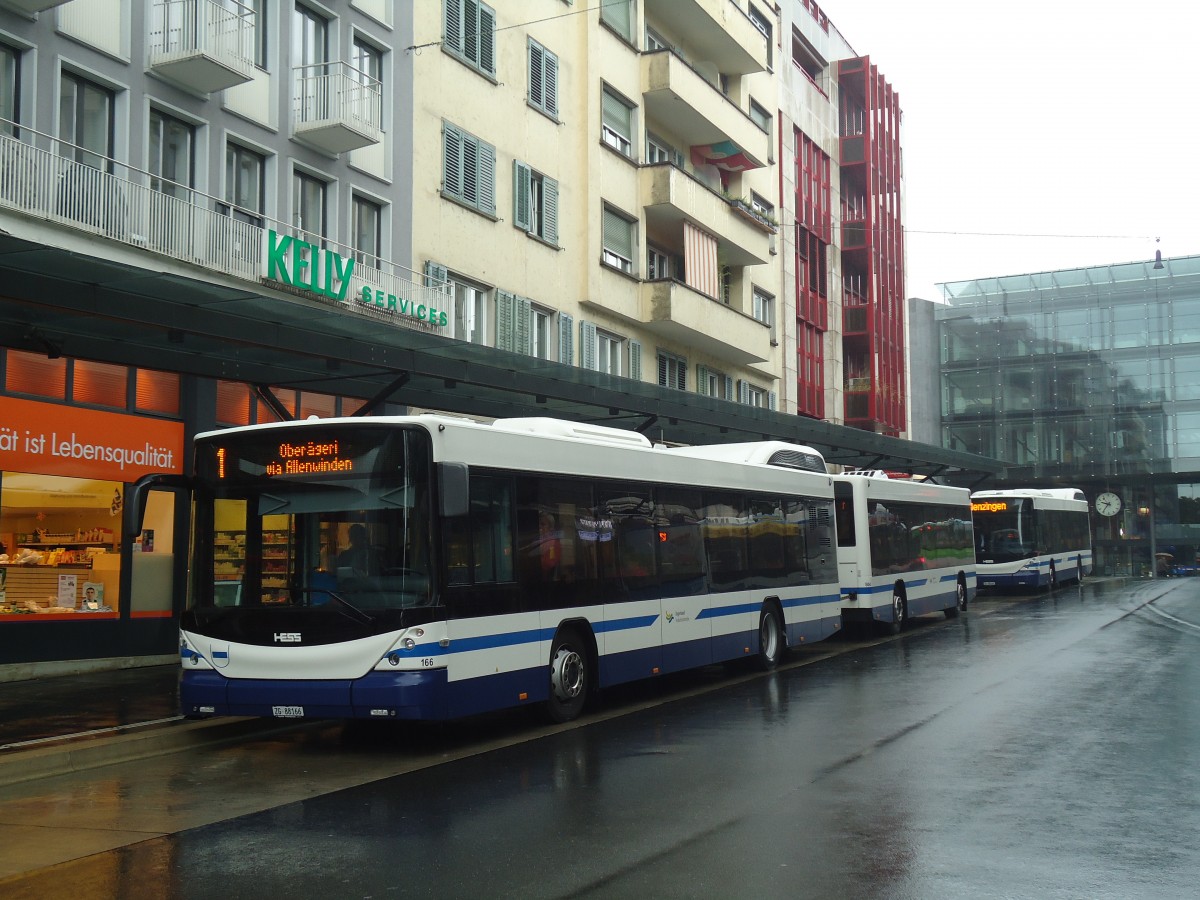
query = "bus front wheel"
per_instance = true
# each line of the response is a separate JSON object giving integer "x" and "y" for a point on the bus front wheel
{"x": 568, "y": 677}
{"x": 770, "y": 639}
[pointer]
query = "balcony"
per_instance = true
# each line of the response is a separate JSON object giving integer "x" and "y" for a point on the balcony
{"x": 678, "y": 100}
{"x": 30, "y": 7}
{"x": 714, "y": 31}
{"x": 202, "y": 45}
{"x": 42, "y": 182}
{"x": 690, "y": 319}
{"x": 670, "y": 197}
{"x": 337, "y": 108}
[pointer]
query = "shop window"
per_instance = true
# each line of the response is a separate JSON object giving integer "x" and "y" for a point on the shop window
{"x": 234, "y": 403}
{"x": 100, "y": 384}
{"x": 34, "y": 373}
{"x": 61, "y": 551}
{"x": 323, "y": 405}
{"x": 157, "y": 392}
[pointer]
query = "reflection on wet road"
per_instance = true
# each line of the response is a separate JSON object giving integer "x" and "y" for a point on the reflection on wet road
{"x": 1043, "y": 748}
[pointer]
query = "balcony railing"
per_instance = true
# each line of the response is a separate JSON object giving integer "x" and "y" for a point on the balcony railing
{"x": 29, "y": 7}
{"x": 338, "y": 108}
{"x": 204, "y": 45}
{"x": 54, "y": 181}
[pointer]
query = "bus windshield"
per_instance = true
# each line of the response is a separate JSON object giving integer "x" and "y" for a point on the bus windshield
{"x": 338, "y": 516}
{"x": 1004, "y": 530}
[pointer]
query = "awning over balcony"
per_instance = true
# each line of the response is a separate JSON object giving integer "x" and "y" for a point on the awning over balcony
{"x": 726, "y": 155}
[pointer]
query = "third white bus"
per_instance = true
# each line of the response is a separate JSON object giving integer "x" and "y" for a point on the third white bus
{"x": 905, "y": 548}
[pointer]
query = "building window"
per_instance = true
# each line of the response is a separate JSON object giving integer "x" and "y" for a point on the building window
{"x": 310, "y": 39}
{"x": 764, "y": 308}
{"x": 755, "y": 396}
{"x": 245, "y": 184}
{"x": 85, "y": 119}
{"x": 469, "y": 169}
{"x": 367, "y": 61}
{"x": 308, "y": 207}
{"x": 760, "y": 117}
{"x": 543, "y": 79}
{"x": 806, "y": 59}
{"x": 10, "y": 89}
{"x": 617, "y": 122}
{"x": 368, "y": 232}
{"x": 618, "y": 240}
{"x": 659, "y": 151}
{"x": 470, "y": 34}
{"x": 763, "y": 24}
{"x": 658, "y": 264}
{"x": 618, "y": 15}
{"x": 608, "y": 353}
{"x": 470, "y": 311}
{"x": 672, "y": 371}
{"x": 655, "y": 41}
{"x": 260, "y": 29}
{"x": 713, "y": 383}
{"x": 541, "y": 334}
{"x": 172, "y": 155}
{"x": 535, "y": 203}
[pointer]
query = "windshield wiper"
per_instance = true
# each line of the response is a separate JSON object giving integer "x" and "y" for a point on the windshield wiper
{"x": 349, "y": 609}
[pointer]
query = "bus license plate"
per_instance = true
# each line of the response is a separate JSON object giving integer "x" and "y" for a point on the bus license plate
{"x": 287, "y": 712}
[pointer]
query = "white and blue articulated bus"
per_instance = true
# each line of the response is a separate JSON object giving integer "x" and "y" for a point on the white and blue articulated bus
{"x": 432, "y": 567}
{"x": 1031, "y": 538}
{"x": 904, "y": 548}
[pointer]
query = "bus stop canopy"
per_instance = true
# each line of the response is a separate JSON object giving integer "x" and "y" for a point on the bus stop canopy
{"x": 107, "y": 306}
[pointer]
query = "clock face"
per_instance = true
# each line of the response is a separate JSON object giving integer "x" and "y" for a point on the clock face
{"x": 1108, "y": 504}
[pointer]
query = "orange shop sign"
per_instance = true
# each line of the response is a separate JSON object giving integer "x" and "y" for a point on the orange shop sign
{"x": 49, "y": 439}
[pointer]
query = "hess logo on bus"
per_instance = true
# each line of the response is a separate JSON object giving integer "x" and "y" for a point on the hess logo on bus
{"x": 287, "y": 637}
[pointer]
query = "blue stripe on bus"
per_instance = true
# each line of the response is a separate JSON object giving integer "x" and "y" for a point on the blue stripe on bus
{"x": 756, "y": 605}
{"x": 515, "y": 638}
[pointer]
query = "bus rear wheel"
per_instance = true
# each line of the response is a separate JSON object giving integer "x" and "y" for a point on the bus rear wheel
{"x": 568, "y": 677}
{"x": 770, "y": 639}
{"x": 960, "y": 601}
{"x": 898, "y": 613}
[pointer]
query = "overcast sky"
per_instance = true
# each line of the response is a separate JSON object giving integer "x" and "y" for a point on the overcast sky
{"x": 1039, "y": 134}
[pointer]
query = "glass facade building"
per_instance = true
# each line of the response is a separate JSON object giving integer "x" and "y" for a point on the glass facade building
{"x": 1086, "y": 378}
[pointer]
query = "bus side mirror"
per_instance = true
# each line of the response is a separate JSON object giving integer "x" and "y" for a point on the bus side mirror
{"x": 454, "y": 498}
{"x": 134, "y": 510}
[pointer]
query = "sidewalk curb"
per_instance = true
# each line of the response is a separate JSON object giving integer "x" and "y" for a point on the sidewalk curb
{"x": 79, "y": 755}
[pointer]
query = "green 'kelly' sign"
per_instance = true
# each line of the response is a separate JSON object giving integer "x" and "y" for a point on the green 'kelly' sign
{"x": 308, "y": 267}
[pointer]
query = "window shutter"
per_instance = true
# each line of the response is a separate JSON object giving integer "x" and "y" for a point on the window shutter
{"x": 743, "y": 391}
{"x": 453, "y": 26}
{"x": 537, "y": 65}
{"x": 487, "y": 39}
{"x": 521, "y": 178}
{"x": 566, "y": 339}
{"x": 487, "y": 178}
{"x": 550, "y": 210}
{"x": 635, "y": 360}
{"x": 504, "y": 320}
{"x": 522, "y": 334}
{"x": 728, "y": 395}
{"x": 771, "y": 400}
{"x": 452, "y": 164}
{"x": 587, "y": 345}
{"x": 617, "y": 234}
{"x": 616, "y": 115}
{"x": 702, "y": 379}
{"x": 551, "y": 84}
{"x": 662, "y": 370}
{"x": 436, "y": 275}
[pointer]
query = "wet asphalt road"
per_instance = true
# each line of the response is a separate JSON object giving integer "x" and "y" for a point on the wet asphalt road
{"x": 1043, "y": 749}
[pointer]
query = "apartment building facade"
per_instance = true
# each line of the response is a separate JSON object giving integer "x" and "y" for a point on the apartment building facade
{"x": 201, "y": 198}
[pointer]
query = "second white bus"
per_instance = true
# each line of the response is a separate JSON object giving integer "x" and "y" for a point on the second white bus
{"x": 905, "y": 548}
